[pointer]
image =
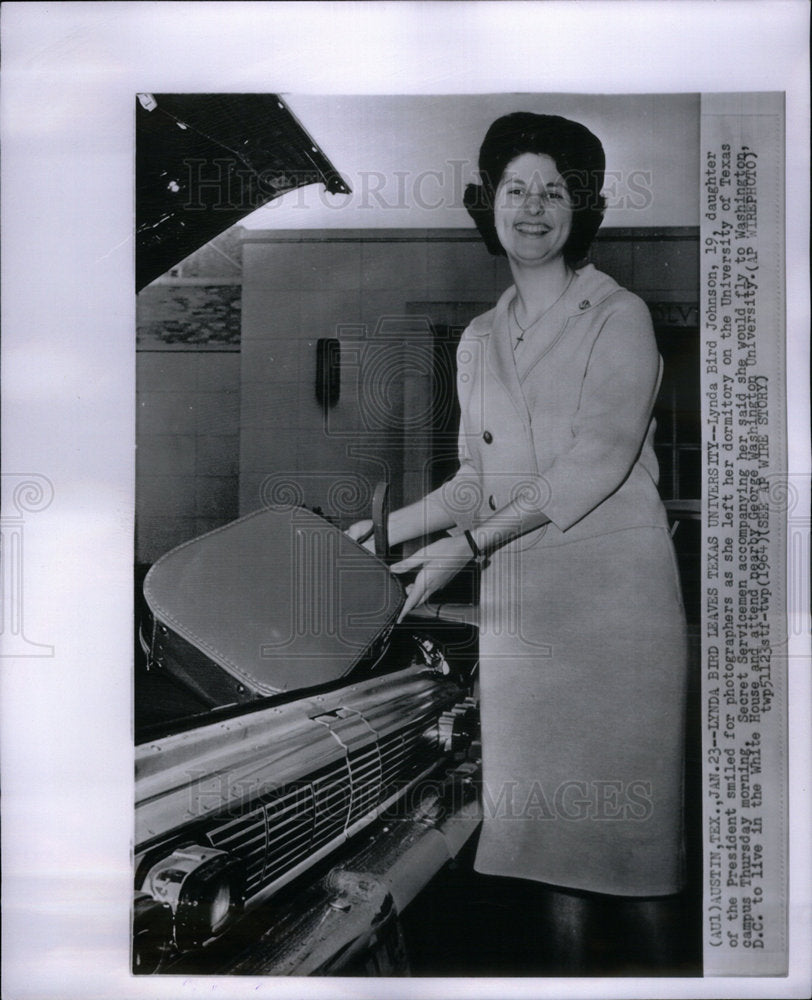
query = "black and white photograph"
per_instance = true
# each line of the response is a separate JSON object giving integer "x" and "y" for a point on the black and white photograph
{"x": 484, "y": 408}
{"x": 439, "y": 480}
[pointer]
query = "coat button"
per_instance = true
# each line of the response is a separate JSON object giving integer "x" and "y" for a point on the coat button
{"x": 487, "y": 437}
{"x": 492, "y": 502}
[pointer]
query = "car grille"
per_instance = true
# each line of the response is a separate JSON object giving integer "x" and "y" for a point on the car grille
{"x": 282, "y": 831}
{"x": 404, "y": 755}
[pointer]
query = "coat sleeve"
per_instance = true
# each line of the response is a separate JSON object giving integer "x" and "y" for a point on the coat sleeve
{"x": 617, "y": 397}
{"x": 461, "y": 496}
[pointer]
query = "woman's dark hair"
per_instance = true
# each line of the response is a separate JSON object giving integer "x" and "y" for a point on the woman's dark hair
{"x": 578, "y": 155}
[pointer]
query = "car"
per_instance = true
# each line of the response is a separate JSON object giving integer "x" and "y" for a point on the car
{"x": 281, "y": 713}
{"x": 304, "y": 763}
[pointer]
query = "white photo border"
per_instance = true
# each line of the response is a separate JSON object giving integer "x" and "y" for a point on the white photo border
{"x": 69, "y": 74}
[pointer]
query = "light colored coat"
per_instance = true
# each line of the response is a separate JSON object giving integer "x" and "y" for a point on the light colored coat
{"x": 582, "y": 634}
{"x": 565, "y": 420}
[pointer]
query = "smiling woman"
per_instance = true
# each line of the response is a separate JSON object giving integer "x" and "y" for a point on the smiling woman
{"x": 582, "y": 629}
{"x": 533, "y": 210}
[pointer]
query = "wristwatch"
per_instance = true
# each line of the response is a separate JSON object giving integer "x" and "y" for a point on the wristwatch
{"x": 479, "y": 556}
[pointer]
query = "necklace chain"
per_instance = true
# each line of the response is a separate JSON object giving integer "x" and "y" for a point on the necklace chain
{"x": 520, "y": 338}
{"x": 523, "y": 329}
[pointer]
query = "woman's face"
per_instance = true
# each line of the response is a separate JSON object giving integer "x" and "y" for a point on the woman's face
{"x": 532, "y": 210}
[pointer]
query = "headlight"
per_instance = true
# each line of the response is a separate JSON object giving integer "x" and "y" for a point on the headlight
{"x": 203, "y": 886}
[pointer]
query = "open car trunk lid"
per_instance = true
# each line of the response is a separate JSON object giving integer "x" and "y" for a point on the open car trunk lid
{"x": 205, "y": 161}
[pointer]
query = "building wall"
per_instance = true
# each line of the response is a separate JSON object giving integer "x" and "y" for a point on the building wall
{"x": 187, "y": 398}
{"x": 222, "y": 433}
{"x": 187, "y": 431}
{"x": 353, "y": 286}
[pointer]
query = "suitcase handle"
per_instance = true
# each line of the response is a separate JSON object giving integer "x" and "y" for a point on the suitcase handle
{"x": 380, "y": 521}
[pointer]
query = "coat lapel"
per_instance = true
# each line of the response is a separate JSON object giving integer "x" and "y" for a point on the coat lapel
{"x": 588, "y": 288}
{"x": 542, "y": 337}
{"x": 508, "y": 369}
{"x": 500, "y": 360}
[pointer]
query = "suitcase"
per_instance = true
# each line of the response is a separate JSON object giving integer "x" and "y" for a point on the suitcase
{"x": 277, "y": 601}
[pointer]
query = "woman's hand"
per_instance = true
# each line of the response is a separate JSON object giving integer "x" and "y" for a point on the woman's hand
{"x": 362, "y": 532}
{"x": 436, "y": 564}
